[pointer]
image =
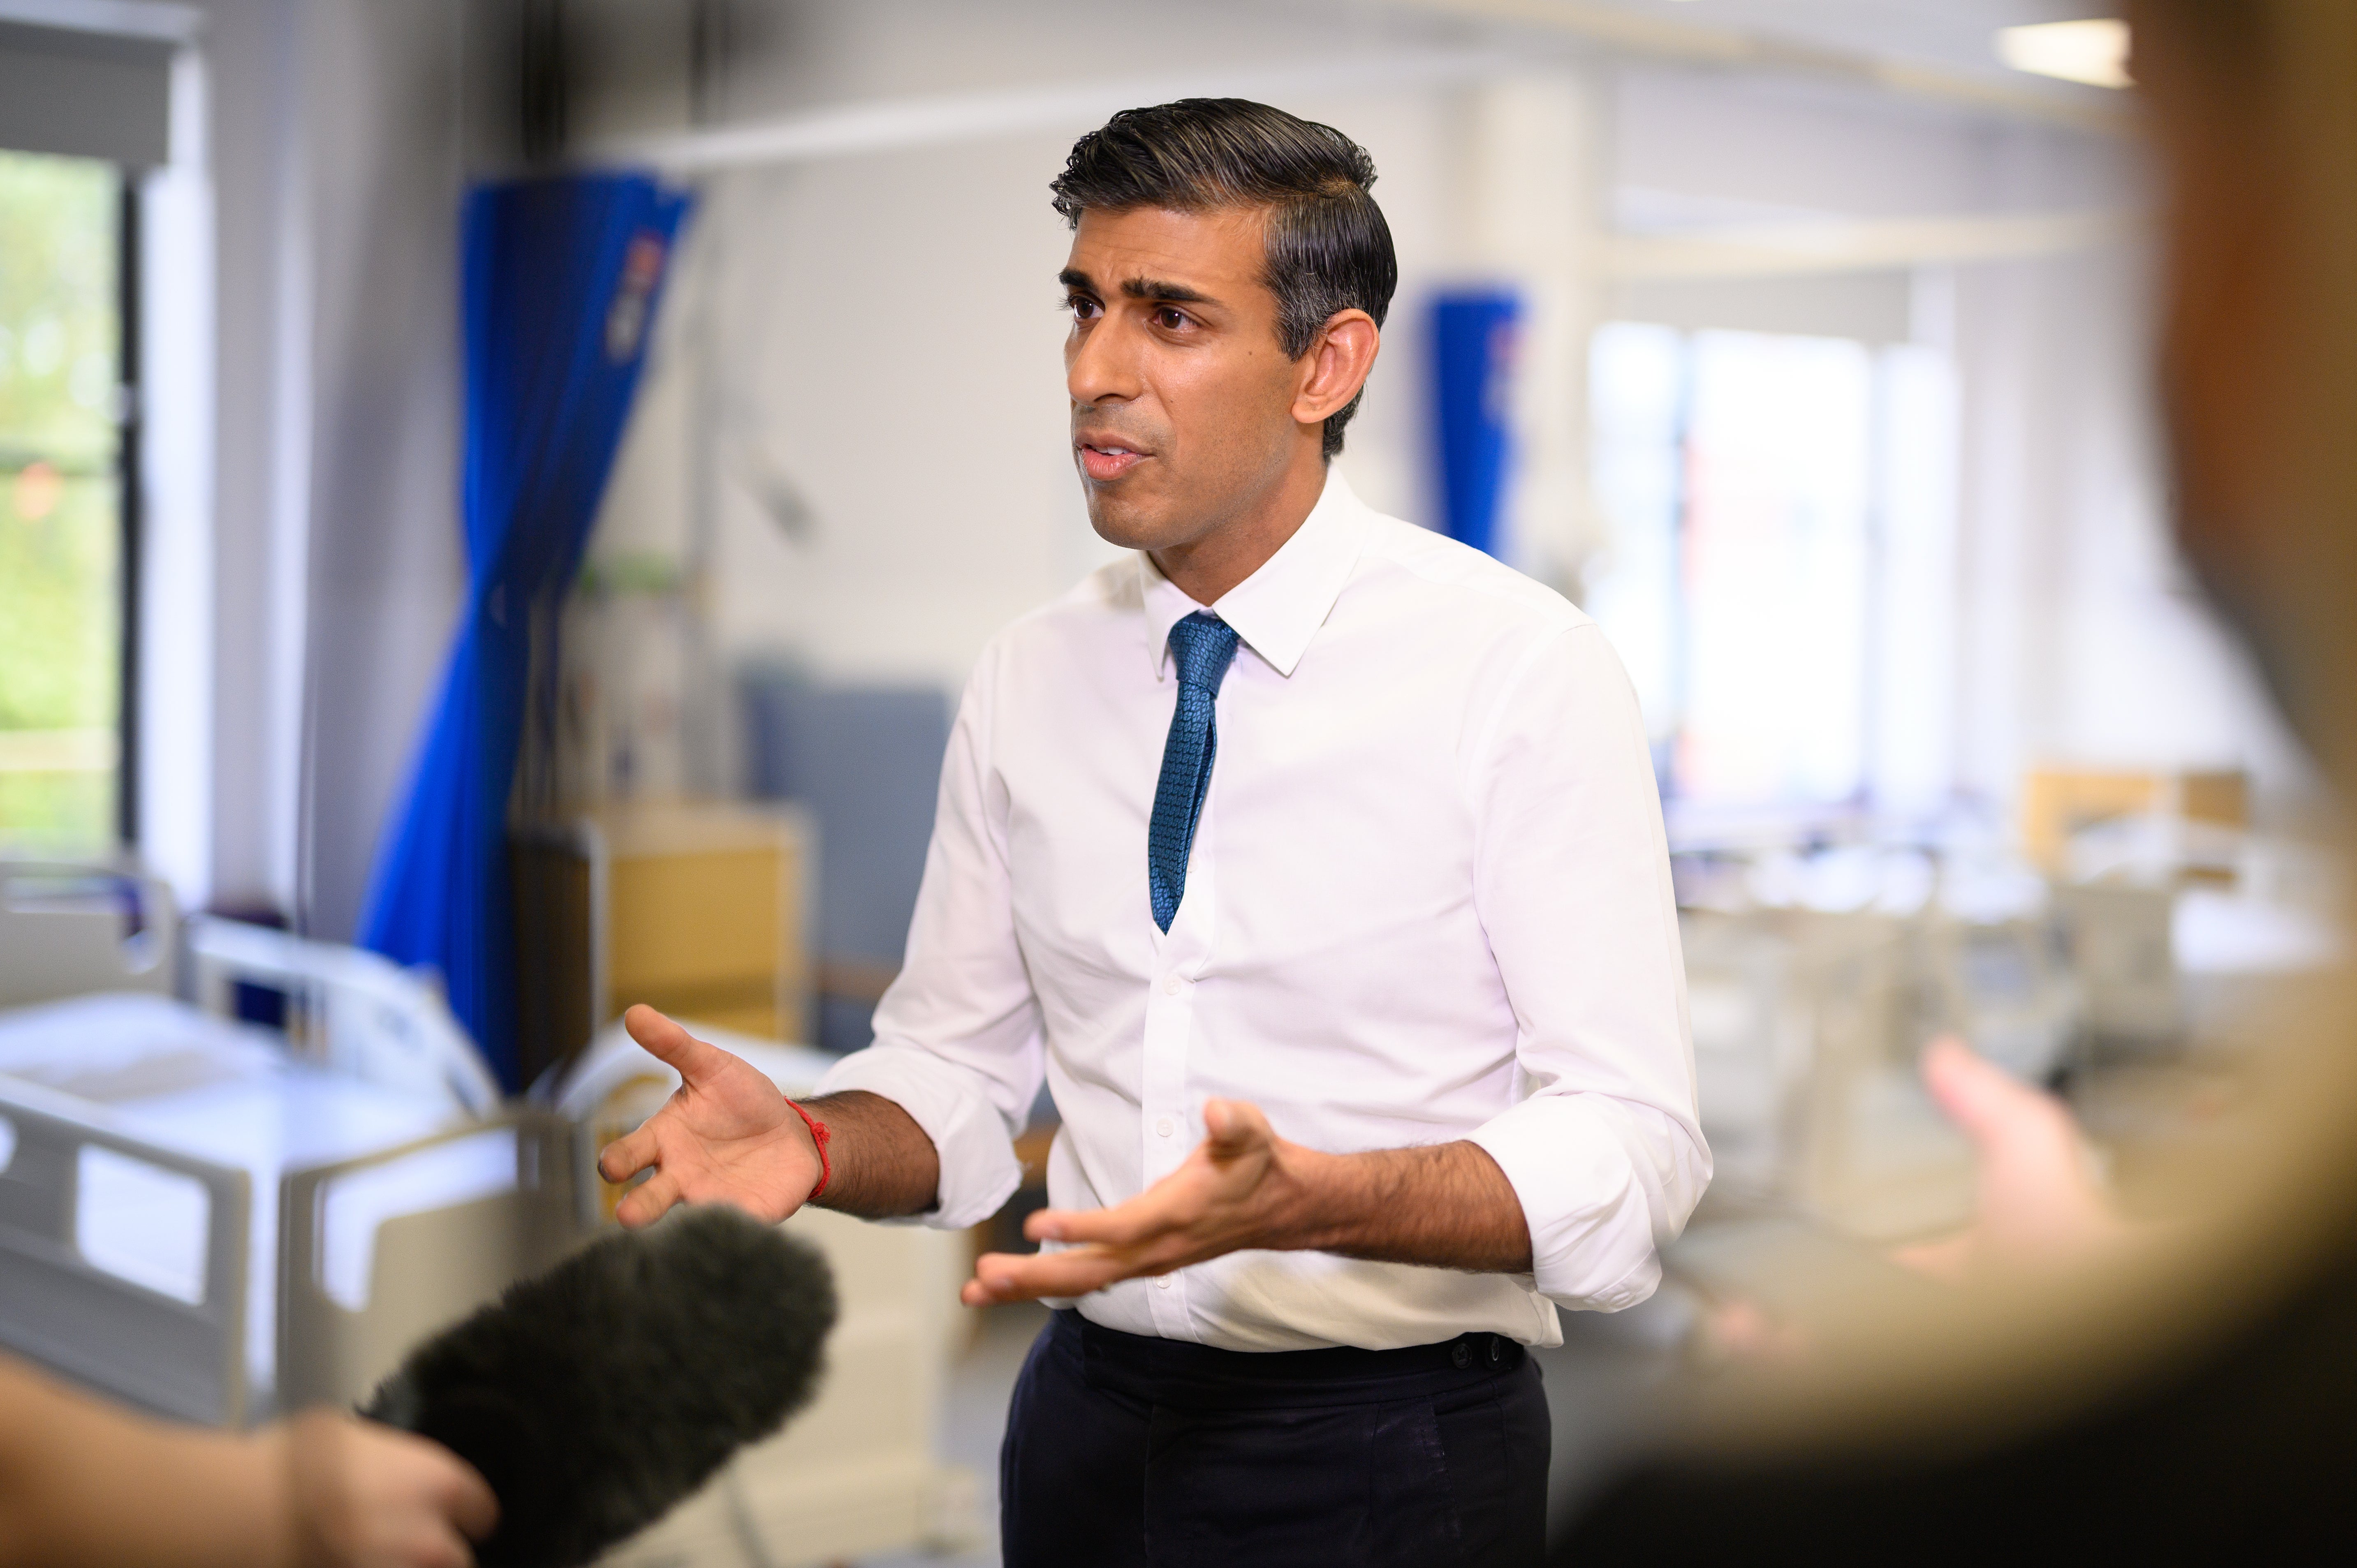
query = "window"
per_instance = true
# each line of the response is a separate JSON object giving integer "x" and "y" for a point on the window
{"x": 64, "y": 590}
{"x": 1780, "y": 576}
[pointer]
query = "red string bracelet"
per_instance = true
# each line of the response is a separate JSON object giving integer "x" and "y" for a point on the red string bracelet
{"x": 818, "y": 1135}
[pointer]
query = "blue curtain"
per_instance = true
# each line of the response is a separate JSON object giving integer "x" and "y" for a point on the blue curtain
{"x": 1473, "y": 337}
{"x": 562, "y": 277}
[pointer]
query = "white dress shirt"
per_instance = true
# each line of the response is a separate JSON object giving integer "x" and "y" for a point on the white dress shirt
{"x": 1429, "y": 901}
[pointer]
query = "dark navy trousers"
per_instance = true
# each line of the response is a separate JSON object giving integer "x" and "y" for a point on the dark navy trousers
{"x": 1124, "y": 1451}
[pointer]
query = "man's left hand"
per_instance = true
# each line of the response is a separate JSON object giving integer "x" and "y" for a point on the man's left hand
{"x": 1243, "y": 1186}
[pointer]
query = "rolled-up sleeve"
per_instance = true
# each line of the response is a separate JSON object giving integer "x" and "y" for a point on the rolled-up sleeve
{"x": 958, "y": 1042}
{"x": 1572, "y": 879}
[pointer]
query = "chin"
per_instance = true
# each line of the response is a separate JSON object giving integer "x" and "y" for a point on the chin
{"x": 1127, "y": 522}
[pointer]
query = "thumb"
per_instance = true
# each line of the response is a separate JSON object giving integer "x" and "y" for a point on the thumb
{"x": 469, "y": 1499}
{"x": 667, "y": 1042}
{"x": 1233, "y": 1126}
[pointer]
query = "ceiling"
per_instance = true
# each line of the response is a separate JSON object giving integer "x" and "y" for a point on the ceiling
{"x": 1957, "y": 33}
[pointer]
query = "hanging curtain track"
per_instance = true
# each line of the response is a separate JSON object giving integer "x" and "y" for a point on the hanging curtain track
{"x": 896, "y": 124}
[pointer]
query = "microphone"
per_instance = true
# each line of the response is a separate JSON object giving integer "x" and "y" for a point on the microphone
{"x": 598, "y": 1395}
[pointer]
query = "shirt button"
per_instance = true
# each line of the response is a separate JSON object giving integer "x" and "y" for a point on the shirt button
{"x": 1164, "y": 1127}
{"x": 1170, "y": 986}
{"x": 1162, "y": 1282}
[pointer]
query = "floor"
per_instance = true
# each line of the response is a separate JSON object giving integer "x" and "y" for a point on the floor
{"x": 1600, "y": 1384}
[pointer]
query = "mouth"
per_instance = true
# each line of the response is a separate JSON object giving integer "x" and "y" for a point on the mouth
{"x": 1106, "y": 459}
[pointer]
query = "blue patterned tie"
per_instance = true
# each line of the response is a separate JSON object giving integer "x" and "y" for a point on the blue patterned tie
{"x": 1202, "y": 646}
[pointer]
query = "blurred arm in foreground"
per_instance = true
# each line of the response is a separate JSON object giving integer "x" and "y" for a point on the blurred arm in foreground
{"x": 2189, "y": 1401}
{"x": 85, "y": 1485}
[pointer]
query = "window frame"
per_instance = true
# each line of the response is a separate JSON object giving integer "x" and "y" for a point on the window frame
{"x": 130, "y": 523}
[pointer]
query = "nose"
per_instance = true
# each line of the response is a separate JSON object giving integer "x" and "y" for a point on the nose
{"x": 1101, "y": 363}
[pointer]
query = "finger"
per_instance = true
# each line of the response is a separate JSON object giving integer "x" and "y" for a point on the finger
{"x": 667, "y": 1042}
{"x": 1005, "y": 1276}
{"x": 649, "y": 1201}
{"x": 629, "y": 1155}
{"x": 1157, "y": 1211}
{"x": 1985, "y": 1102}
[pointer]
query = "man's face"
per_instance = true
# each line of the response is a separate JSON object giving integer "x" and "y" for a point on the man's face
{"x": 1182, "y": 396}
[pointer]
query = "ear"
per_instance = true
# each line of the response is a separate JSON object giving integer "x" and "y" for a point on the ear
{"x": 1336, "y": 366}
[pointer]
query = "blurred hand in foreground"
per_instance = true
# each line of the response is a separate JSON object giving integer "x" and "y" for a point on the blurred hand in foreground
{"x": 726, "y": 1135}
{"x": 2038, "y": 1202}
{"x": 370, "y": 1496}
{"x": 86, "y": 1485}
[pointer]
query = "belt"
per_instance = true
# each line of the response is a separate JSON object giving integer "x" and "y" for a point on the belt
{"x": 1173, "y": 1371}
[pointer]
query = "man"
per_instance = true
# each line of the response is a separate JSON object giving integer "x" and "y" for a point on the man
{"x": 1304, "y": 834}
{"x": 2218, "y": 1427}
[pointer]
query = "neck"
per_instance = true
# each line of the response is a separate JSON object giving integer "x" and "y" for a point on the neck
{"x": 1205, "y": 567}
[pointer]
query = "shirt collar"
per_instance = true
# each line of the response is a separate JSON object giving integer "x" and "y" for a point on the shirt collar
{"x": 1278, "y": 609}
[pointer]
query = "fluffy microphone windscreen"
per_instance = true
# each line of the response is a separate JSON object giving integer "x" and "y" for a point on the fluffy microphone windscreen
{"x": 598, "y": 1395}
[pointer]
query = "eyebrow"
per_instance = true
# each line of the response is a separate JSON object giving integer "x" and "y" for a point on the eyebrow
{"x": 1138, "y": 288}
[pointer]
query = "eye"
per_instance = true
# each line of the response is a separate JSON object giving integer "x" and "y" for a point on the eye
{"x": 1168, "y": 319}
{"x": 1082, "y": 307}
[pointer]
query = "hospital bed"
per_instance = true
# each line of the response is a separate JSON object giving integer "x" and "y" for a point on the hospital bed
{"x": 214, "y": 1220}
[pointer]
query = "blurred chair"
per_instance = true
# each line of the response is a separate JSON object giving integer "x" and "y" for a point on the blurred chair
{"x": 1806, "y": 1025}
{"x": 2006, "y": 987}
{"x": 865, "y": 761}
{"x": 1752, "y": 1044}
{"x": 2122, "y": 954}
{"x": 1877, "y": 1161}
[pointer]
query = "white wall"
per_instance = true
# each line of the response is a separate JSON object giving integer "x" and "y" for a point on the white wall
{"x": 882, "y": 333}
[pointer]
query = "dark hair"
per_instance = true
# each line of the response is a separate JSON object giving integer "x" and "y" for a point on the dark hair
{"x": 1329, "y": 249}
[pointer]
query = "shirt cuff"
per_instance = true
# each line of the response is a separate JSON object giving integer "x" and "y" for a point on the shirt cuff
{"x": 1591, "y": 1216}
{"x": 979, "y": 1171}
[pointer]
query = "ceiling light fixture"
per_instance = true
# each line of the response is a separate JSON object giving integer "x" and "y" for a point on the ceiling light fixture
{"x": 2094, "y": 51}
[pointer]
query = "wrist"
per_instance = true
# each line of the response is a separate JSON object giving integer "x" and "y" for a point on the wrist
{"x": 819, "y": 1135}
{"x": 1310, "y": 1208}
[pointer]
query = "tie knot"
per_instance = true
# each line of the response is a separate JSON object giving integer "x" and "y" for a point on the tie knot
{"x": 1202, "y": 644}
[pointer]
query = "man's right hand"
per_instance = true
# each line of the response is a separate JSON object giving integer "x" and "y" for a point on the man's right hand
{"x": 726, "y": 1135}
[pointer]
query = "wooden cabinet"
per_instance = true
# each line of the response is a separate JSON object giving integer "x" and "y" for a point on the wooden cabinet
{"x": 2057, "y": 802}
{"x": 698, "y": 909}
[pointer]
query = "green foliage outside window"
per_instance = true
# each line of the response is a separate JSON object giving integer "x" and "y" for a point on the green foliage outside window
{"x": 60, "y": 596}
